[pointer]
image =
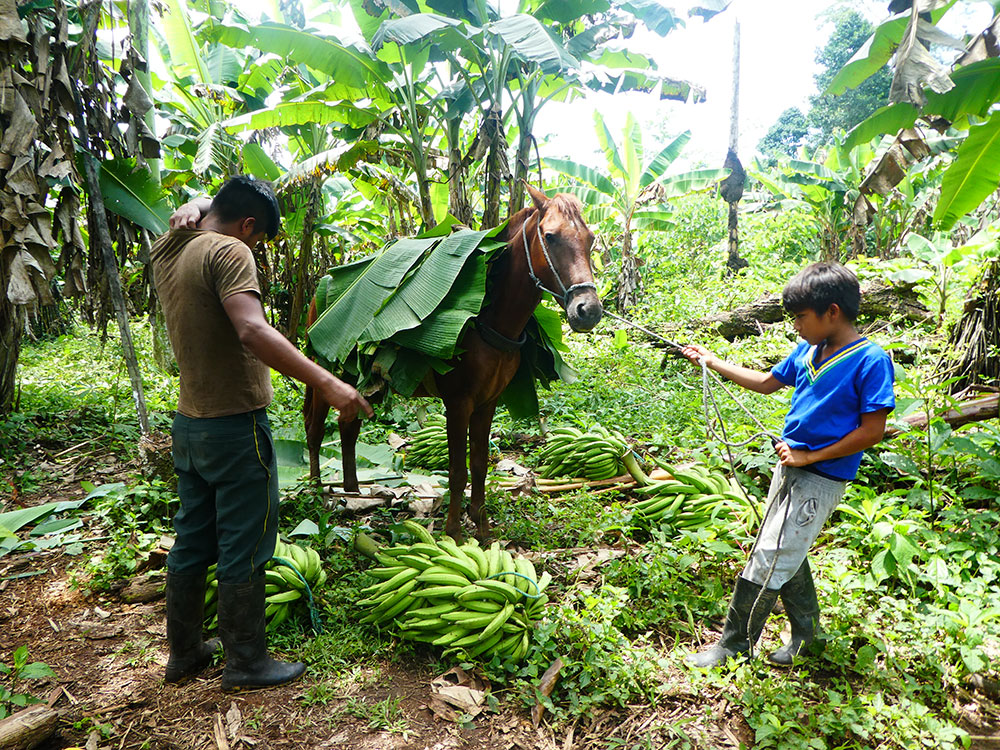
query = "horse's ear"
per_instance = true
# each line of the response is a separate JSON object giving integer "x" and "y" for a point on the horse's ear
{"x": 537, "y": 196}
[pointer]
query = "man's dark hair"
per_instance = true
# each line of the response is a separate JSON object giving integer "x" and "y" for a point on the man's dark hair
{"x": 819, "y": 285}
{"x": 244, "y": 196}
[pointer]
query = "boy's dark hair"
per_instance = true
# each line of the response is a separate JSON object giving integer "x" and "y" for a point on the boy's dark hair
{"x": 819, "y": 285}
{"x": 245, "y": 196}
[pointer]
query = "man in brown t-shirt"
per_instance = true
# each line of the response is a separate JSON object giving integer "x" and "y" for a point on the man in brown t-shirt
{"x": 226, "y": 470}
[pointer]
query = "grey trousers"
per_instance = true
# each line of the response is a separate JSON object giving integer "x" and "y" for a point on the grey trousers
{"x": 797, "y": 518}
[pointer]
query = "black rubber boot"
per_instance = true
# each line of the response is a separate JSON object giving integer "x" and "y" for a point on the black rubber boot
{"x": 802, "y": 607}
{"x": 189, "y": 654}
{"x": 242, "y": 628}
{"x": 748, "y": 611}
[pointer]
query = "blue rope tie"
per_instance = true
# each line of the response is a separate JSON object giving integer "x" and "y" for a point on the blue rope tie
{"x": 314, "y": 617}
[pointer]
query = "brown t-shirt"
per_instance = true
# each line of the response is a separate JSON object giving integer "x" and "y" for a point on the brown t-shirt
{"x": 194, "y": 271}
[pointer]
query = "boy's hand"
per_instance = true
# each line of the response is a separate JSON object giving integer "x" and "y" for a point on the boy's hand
{"x": 697, "y": 353}
{"x": 792, "y": 456}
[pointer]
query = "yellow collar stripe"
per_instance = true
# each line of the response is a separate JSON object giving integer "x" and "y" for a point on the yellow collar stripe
{"x": 813, "y": 374}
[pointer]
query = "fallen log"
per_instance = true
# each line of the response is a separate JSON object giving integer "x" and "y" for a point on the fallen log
{"x": 978, "y": 410}
{"x": 28, "y": 728}
{"x": 879, "y": 301}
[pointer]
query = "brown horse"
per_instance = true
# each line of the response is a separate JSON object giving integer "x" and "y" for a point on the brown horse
{"x": 557, "y": 259}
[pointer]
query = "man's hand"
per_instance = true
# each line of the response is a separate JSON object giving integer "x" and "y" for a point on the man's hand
{"x": 188, "y": 215}
{"x": 792, "y": 456}
{"x": 346, "y": 400}
{"x": 697, "y": 353}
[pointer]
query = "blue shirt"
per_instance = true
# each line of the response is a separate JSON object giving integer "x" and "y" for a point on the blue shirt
{"x": 830, "y": 398}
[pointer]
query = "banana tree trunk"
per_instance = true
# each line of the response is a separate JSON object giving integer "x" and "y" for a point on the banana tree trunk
{"x": 304, "y": 262}
{"x": 11, "y": 328}
{"x": 494, "y": 170}
{"x": 99, "y": 227}
{"x": 628, "y": 276}
{"x": 458, "y": 195}
{"x": 525, "y": 124}
{"x": 976, "y": 336}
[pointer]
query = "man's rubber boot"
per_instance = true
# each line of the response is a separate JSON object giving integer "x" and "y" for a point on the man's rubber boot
{"x": 189, "y": 654}
{"x": 802, "y": 607}
{"x": 748, "y": 611}
{"x": 242, "y": 629}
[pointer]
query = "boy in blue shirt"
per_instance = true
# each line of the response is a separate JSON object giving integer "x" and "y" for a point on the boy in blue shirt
{"x": 843, "y": 393}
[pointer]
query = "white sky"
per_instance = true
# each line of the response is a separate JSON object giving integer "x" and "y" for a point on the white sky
{"x": 778, "y": 43}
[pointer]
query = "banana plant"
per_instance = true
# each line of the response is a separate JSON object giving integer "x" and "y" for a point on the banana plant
{"x": 631, "y": 194}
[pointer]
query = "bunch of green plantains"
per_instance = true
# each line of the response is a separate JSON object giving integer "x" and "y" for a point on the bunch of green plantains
{"x": 291, "y": 575}
{"x": 429, "y": 445}
{"x": 476, "y": 603}
{"x": 595, "y": 454}
{"x": 691, "y": 498}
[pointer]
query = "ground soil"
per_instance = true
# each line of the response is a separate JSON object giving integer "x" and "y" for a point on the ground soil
{"x": 108, "y": 656}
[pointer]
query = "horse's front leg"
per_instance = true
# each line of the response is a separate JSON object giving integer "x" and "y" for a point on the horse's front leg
{"x": 314, "y": 410}
{"x": 458, "y": 431}
{"x": 479, "y": 456}
{"x": 349, "y": 432}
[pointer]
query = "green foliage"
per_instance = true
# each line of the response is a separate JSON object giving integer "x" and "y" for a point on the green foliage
{"x": 786, "y": 135}
{"x": 12, "y": 675}
{"x": 827, "y": 113}
{"x": 601, "y": 665}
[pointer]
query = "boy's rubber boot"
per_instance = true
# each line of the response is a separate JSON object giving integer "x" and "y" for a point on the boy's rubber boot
{"x": 802, "y": 607}
{"x": 734, "y": 642}
{"x": 242, "y": 628}
{"x": 189, "y": 654}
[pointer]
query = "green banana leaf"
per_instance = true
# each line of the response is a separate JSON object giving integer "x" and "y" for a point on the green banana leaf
{"x": 422, "y": 292}
{"x": 587, "y": 174}
{"x": 185, "y": 56}
{"x": 300, "y": 113}
{"x": 356, "y": 71}
{"x": 335, "y": 331}
{"x": 134, "y": 194}
{"x": 662, "y": 161}
{"x": 532, "y": 42}
{"x": 973, "y": 176}
{"x": 875, "y": 53}
{"x": 259, "y": 164}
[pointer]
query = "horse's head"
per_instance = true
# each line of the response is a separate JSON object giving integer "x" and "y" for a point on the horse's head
{"x": 559, "y": 245}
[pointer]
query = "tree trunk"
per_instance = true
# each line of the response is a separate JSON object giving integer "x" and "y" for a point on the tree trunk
{"x": 628, "y": 276}
{"x": 525, "y": 124}
{"x": 878, "y": 302}
{"x": 976, "y": 336}
{"x": 314, "y": 196}
{"x": 11, "y": 328}
{"x": 458, "y": 196}
{"x": 978, "y": 410}
{"x": 99, "y": 226}
{"x": 28, "y": 728}
{"x": 732, "y": 186}
{"x": 494, "y": 171}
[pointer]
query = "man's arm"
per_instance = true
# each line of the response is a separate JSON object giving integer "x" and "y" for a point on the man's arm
{"x": 752, "y": 380}
{"x": 869, "y": 433}
{"x": 188, "y": 215}
{"x": 274, "y": 350}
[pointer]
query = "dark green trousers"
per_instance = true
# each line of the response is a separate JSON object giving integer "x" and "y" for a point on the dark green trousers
{"x": 227, "y": 480}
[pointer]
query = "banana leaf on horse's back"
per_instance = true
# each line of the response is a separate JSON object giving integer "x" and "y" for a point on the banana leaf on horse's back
{"x": 390, "y": 318}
